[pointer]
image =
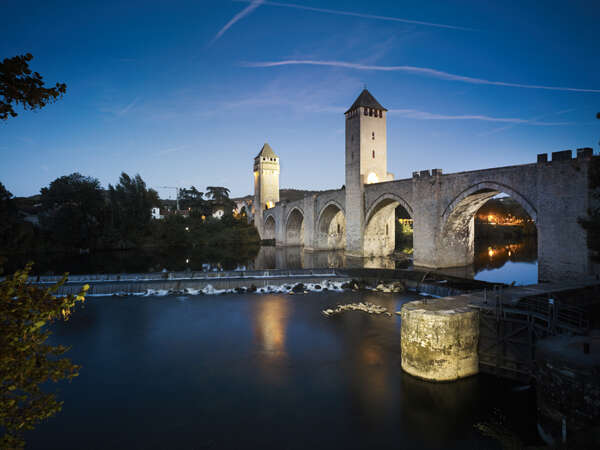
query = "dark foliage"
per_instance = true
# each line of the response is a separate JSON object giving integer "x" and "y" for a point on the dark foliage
{"x": 73, "y": 209}
{"x": 20, "y": 86}
{"x": 27, "y": 362}
{"x": 130, "y": 208}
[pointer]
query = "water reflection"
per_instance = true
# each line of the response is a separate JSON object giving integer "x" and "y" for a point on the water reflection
{"x": 298, "y": 258}
{"x": 270, "y": 319}
{"x": 503, "y": 260}
{"x": 490, "y": 255}
{"x": 272, "y": 368}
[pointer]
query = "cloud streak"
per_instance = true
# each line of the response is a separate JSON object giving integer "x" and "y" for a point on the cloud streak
{"x": 534, "y": 119}
{"x": 424, "y": 115}
{"x": 364, "y": 16}
{"x": 239, "y": 16}
{"x": 423, "y": 71}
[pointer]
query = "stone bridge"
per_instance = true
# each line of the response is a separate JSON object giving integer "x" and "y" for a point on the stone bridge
{"x": 554, "y": 192}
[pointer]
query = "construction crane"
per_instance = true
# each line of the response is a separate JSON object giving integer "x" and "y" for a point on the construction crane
{"x": 177, "y": 193}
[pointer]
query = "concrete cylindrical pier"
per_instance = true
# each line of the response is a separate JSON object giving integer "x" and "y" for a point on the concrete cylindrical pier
{"x": 439, "y": 339}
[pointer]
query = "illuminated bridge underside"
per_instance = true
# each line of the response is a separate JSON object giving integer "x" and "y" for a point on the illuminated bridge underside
{"x": 443, "y": 207}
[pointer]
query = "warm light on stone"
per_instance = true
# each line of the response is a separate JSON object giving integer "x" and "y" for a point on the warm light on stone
{"x": 372, "y": 178}
{"x": 439, "y": 339}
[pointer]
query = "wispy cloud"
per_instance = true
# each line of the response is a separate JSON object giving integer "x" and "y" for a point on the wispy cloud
{"x": 123, "y": 110}
{"x": 127, "y": 108}
{"x": 535, "y": 119}
{"x": 243, "y": 13}
{"x": 424, "y": 115}
{"x": 414, "y": 70}
{"x": 364, "y": 16}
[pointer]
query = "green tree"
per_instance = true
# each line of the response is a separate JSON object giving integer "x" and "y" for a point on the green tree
{"x": 8, "y": 214}
{"x": 219, "y": 199}
{"x": 131, "y": 206}
{"x": 217, "y": 193}
{"x": 73, "y": 208}
{"x": 19, "y": 85}
{"x": 194, "y": 200}
{"x": 26, "y": 360}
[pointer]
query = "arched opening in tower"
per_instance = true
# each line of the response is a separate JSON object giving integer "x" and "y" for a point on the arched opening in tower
{"x": 295, "y": 228}
{"x": 331, "y": 229}
{"x": 269, "y": 232}
{"x": 491, "y": 229}
{"x": 388, "y": 229}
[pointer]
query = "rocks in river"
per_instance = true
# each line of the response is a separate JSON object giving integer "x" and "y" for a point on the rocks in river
{"x": 395, "y": 286}
{"x": 299, "y": 288}
{"x": 366, "y": 307}
{"x": 356, "y": 285}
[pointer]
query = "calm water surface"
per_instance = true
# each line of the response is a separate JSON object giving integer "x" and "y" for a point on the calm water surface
{"x": 261, "y": 371}
{"x": 503, "y": 262}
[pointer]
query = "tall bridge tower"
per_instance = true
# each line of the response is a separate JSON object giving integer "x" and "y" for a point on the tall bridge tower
{"x": 366, "y": 162}
{"x": 266, "y": 184}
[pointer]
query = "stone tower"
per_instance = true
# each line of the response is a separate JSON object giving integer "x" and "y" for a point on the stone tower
{"x": 266, "y": 184}
{"x": 366, "y": 162}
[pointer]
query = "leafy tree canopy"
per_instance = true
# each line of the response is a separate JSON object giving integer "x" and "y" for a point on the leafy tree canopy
{"x": 26, "y": 360}
{"x": 73, "y": 208}
{"x": 19, "y": 85}
{"x": 193, "y": 199}
{"x": 217, "y": 193}
{"x": 131, "y": 204}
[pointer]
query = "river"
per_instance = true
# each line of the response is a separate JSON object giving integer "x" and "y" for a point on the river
{"x": 503, "y": 261}
{"x": 263, "y": 371}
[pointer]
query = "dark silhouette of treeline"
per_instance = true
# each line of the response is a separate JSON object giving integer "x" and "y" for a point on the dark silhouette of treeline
{"x": 75, "y": 214}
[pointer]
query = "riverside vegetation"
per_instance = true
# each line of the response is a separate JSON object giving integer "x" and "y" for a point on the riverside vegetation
{"x": 74, "y": 214}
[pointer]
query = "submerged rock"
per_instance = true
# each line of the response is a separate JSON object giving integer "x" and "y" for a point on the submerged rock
{"x": 366, "y": 307}
{"x": 299, "y": 288}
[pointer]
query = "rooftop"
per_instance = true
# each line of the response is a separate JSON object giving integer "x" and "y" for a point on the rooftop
{"x": 366, "y": 99}
{"x": 266, "y": 152}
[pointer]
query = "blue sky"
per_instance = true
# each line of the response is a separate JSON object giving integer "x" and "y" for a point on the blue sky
{"x": 186, "y": 92}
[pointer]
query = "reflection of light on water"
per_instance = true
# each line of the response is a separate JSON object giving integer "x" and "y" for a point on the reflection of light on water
{"x": 270, "y": 331}
{"x": 271, "y": 324}
{"x": 371, "y": 382}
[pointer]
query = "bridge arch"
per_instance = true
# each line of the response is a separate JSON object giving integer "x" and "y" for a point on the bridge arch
{"x": 457, "y": 237}
{"x": 269, "y": 228}
{"x": 294, "y": 227}
{"x": 380, "y": 224}
{"x": 493, "y": 189}
{"x": 331, "y": 227}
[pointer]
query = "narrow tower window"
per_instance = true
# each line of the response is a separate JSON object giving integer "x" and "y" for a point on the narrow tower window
{"x": 373, "y": 154}
{"x": 386, "y": 229}
{"x": 373, "y": 135}
{"x": 380, "y": 114}
{"x": 366, "y": 111}
{"x": 338, "y": 228}
{"x": 370, "y": 112}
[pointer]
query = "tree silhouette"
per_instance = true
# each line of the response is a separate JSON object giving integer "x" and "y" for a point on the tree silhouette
{"x": 72, "y": 210}
{"x": 19, "y": 85}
